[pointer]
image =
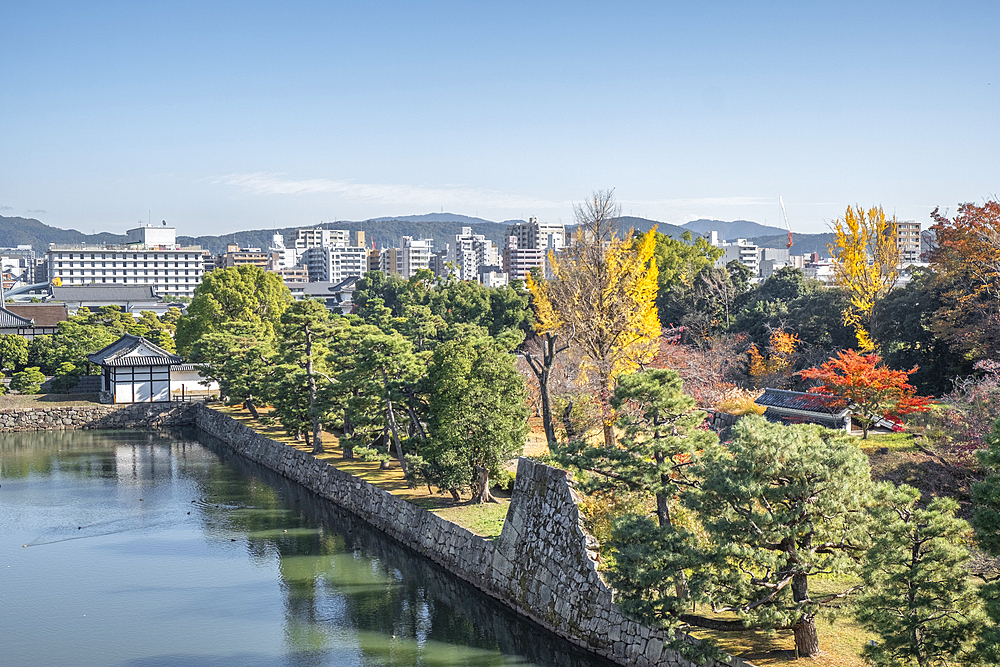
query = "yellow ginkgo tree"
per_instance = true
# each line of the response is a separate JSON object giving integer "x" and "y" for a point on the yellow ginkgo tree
{"x": 866, "y": 261}
{"x": 601, "y": 297}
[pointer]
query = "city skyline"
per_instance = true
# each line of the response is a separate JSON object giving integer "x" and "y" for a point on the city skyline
{"x": 224, "y": 117}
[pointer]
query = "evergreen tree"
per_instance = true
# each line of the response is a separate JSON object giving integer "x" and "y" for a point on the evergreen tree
{"x": 917, "y": 596}
{"x": 986, "y": 521}
{"x": 247, "y": 294}
{"x": 238, "y": 357}
{"x": 302, "y": 332}
{"x": 782, "y": 505}
{"x": 661, "y": 441}
{"x": 478, "y": 414}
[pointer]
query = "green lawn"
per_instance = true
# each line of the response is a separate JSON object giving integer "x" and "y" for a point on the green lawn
{"x": 895, "y": 442}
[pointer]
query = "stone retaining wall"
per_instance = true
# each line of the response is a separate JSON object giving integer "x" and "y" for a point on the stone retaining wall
{"x": 135, "y": 415}
{"x": 542, "y": 566}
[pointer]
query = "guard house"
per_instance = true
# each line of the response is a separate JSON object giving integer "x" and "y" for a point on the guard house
{"x": 135, "y": 371}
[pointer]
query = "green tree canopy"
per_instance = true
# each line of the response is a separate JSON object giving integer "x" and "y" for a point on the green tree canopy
{"x": 917, "y": 597}
{"x": 783, "y": 505}
{"x": 478, "y": 412}
{"x": 245, "y": 294}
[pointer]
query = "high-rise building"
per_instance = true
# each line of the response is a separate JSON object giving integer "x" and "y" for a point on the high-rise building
{"x": 150, "y": 256}
{"x": 335, "y": 263}
{"x": 528, "y": 244}
{"x": 908, "y": 240}
{"x": 518, "y": 261}
{"x": 414, "y": 255}
{"x": 471, "y": 251}
{"x": 538, "y": 235}
{"x": 315, "y": 237}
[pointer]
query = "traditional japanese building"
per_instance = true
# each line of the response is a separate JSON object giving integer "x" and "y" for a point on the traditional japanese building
{"x": 135, "y": 371}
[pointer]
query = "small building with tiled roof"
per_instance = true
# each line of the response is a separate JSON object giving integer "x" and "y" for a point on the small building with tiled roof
{"x": 12, "y": 323}
{"x": 130, "y": 298}
{"x": 135, "y": 371}
{"x": 796, "y": 407}
{"x": 45, "y": 317}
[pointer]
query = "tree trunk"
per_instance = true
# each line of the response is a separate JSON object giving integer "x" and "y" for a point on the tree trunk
{"x": 542, "y": 372}
{"x": 313, "y": 412}
{"x": 550, "y": 429}
{"x": 663, "y": 517}
{"x": 482, "y": 491}
{"x": 348, "y": 450}
{"x": 455, "y": 495}
{"x": 392, "y": 423}
{"x": 248, "y": 405}
{"x": 806, "y": 638}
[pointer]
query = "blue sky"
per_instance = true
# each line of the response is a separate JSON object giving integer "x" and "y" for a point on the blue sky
{"x": 221, "y": 116}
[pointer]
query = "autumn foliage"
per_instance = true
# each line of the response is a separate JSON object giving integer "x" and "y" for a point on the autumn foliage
{"x": 781, "y": 353}
{"x": 865, "y": 264}
{"x": 873, "y": 391}
{"x": 966, "y": 256}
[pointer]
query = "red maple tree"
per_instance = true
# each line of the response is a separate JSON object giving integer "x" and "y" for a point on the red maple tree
{"x": 871, "y": 390}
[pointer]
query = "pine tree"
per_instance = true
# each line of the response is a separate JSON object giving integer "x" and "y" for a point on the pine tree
{"x": 782, "y": 505}
{"x": 917, "y": 596}
{"x": 986, "y": 521}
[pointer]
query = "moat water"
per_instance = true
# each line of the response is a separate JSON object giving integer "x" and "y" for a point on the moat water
{"x": 151, "y": 549}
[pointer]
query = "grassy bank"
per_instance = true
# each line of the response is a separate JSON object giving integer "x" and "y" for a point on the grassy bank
{"x": 486, "y": 520}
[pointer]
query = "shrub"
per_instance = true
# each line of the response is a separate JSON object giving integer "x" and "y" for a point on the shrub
{"x": 739, "y": 402}
{"x": 28, "y": 381}
{"x": 370, "y": 455}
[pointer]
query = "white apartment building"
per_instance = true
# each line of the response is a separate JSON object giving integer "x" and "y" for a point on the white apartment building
{"x": 335, "y": 263}
{"x": 414, "y": 255}
{"x": 528, "y": 244}
{"x": 741, "y": 250}
{"x": 281, "y": 257}
{"x": 538, "y": 235}
{"x": 319, "y": 238}
{"x": 150, "y": 256}
{"x": 908, "y": 241}
{"x": 470, "y": 252}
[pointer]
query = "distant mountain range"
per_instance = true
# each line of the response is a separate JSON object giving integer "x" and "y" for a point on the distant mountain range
{"x": 387, "y": 231}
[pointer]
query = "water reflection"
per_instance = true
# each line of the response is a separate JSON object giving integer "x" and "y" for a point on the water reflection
{"x": 162, "y": 503}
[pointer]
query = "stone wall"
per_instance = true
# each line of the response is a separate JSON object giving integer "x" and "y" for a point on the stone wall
{"x": 542, "y": 566}
{"x": 135, "y": 415}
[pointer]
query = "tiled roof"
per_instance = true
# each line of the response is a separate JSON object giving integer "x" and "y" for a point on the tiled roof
{"x": 804, "y": 402}
{"x": 9, "y": 320}
{"x": 105, "y": 293}
{"x": 132, "y": 350}
{"x": 44, "y": 314}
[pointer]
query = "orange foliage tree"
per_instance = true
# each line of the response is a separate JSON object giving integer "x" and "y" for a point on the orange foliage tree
{"x": 966, "y": 256}
{"x": 870, "y": 389}
{"x": 780, "y": 360}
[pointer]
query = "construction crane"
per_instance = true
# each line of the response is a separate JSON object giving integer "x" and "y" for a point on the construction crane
{"x": 787, "y": 226}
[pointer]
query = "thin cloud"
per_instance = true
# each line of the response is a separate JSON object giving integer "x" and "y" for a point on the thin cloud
{"x": 6, "y": 208}
{"x": 702, "y": 201}
{"x": 386, "y": 194}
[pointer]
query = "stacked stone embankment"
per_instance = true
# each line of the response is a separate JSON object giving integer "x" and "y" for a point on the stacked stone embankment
{"x": 136, "y": 415}
{"x": 543, "y": 565}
